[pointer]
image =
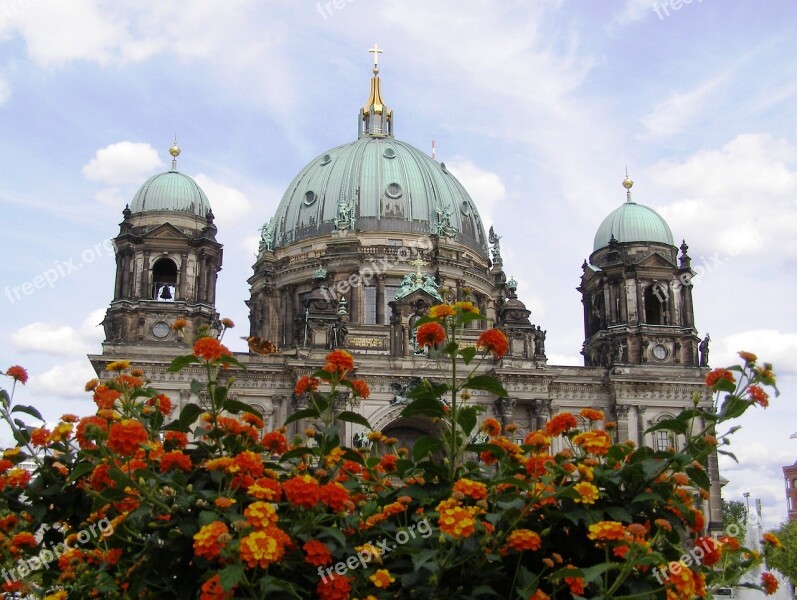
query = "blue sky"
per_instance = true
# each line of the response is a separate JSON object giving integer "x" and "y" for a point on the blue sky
{"x": 538, "y": 107}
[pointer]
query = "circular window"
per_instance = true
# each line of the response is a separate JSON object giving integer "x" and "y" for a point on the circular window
{"x": 389, "y": 153}
{"x": 161, "y": 330}
{"x": 465, "y": 208}
{"x": 309, "y": 198}
{"x": 393, "y": 190}
{"x": 660, "y": 352}
{"x": 326, "y": 159}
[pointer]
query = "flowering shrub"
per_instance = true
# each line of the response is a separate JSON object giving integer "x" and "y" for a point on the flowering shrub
{"x": 205, "y": 505}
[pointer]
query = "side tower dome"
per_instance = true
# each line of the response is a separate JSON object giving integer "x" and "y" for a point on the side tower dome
{"x": 167, "y": 261}
{"x": 637, "y": 292}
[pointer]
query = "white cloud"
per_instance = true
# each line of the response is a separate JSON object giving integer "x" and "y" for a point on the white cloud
{"x": 771, "y": 345}
{"x": 746, "y": 190}
{"x": 123, "y": 163}
{"x": 228, "y": 203}
{"x": 61, "y": 340}
{"x": 486, "y": 188}
{"x": 65, "y": 380}
{"x": 634, "y": 10}
{"x": 111, "y": 197}
{"x": 676, "y": 112}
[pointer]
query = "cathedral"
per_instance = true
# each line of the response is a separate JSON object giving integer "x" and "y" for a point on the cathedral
{"x": 368, "y": 236}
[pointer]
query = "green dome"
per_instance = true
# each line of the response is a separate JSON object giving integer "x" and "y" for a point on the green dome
{"x": 391, "y": 186}
{"x": 170, "y": 191}
{"x": 633, "y": 222}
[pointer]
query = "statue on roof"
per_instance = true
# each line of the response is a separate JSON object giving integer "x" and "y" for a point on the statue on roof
{"x": 266, "y": 237}
{"x": 443, "y": 225}
{"x": 345, "y": 218}
{"x": 495, "y": 240}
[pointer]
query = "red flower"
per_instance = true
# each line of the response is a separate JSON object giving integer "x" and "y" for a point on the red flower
{"x": 495, "y": 341}
{"x": 175, "y": 460}
{"x": 89, "y": 429}
{"x": 717, "y": 374}
{"x": 210, "y": 349}
{"x": 758, "y": 395}
{"x": 212, "y": 590}
{"x": 126, "y": 436}
{"x": 712, "y": 549}
{"x": 317, "y": 553}
{"x": 302, "y": 491}
{"x": 770, "y": 583}
{"x": 177, "y": 438}
{"x": 105, "y": 396}
{"x": 335, "y": 496}
{"x": 306, "y": 384}
{"x": 100, "y": 479}
{"x": 429, "y": 334}
{"x": 335, "y": 587}
{"x": 163, "y": 402}
{"x": 17, "y": 373}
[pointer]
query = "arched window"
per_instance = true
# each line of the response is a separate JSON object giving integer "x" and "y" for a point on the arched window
{"x": 164, "y": 280}
{"x": 664, "y": 440}
{"x": 655, "y": 305}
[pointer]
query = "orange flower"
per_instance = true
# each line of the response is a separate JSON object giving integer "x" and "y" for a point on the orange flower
{"x": 770, "y": 583}
{"x": 714, "y": 376}
{"x": 176, "y": 438}
{"x": 560, "y": 423}
{"x": 105, "y": 396}
{"x": 588, "y": 492}
{"x": 275, "y": 442}
{"x": 537, "y": 440}
{"x": 210, "y": 349}
{"x": 591, "y": 414}
{"x": 335, "y": 496}
{"x": 38, "y": 437}
{"x": 262, "y": 548}
{"x": 340, "y": 362}
{"x": 228, "y": 323}
{"x": 472, "y": 489}
{"x": 317, "y": 553}
{"x": 537, "y": 466}
{"x": 126, "y": 437}
{"x": 382, "y": 578}
{"x": 494, "y": 341}
{"x": 712, "y": 550}
{"x": 101, "y": 479}
{"x": 17, "y": 373}
{"x": 606, "y": 530}
{"x": 306, "y": 384}
{"x": 360, "y": 388}
{"x": 491, "y": 427}
{"x": 162, "y": 402}
{"x": 524, "y": 539}
{"x": 539, "y": 595}
{"x": 335, "y": 587}
{"x": 212, "y": 590}
{"x": 466, "y": 307}
{"x": 246, "y": 463}
{"x": 224, "y": 502}
{"x": 302, "y": 491}
{"x": 758, "y": 395}
{"x": 175, "y": 460}
{"x": 748, "y": 357}
{"x": 576, "y": 584}
{"x": 594, "y": 442}
{"x": 439, "y": 311}
{"x": 264, "y": 489}
{"x": 430, "y": 334}
{"x": 261, "y": 514}
{"x": 771, "y": 538}
{"x": 210, "y": 539}
{"x": 454, "y": 520}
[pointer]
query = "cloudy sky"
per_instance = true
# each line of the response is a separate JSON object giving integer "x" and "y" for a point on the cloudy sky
{"x": 538, "y": 107}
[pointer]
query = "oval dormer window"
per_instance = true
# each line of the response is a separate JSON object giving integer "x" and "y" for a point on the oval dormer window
{"x": 326, "y": 159}
{"x": 389, "y": 153}
{"x": 309, "y": 198}
{"x": 393, "y": 190}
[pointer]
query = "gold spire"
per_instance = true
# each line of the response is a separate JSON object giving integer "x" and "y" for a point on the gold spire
{"x": 175, "y": 152}
{"x": 376, "y": 118}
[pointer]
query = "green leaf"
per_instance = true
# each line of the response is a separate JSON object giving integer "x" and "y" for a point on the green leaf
{"x": 179, "y": 363}
{"x": 723, "y": 385}
{"x": 426, "y": 445}
{"x": 296, "y": 453}
{"x": 486, "y": 383}
{"x": 427, "y": 407}
{"x": 618, "y": 513}
{"x": 188, "y": 415}
{"x": 231, "y": 360}
{"x": 466, "y": 418}
{"x": 305, "y": 413}
{"x": 28, "y": 410}
{"x": 353, "y": 417}
{"x": 219, "y": 395}
{"x": 230, "y": 576}
{"x": 732, "y": 407}
{"x": 79, "y": 470}
{"x": 197, "y": 387}
{"x": 236, "y": 406}
{"x": 468, "y": 353}
{"x": 676, "y": 425}
{"x": 593, "y": 573}
{"x": 699, "y": 476}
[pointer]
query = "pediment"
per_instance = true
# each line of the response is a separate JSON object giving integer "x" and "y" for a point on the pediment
{"x": 655, "y": 260}
{"x": 166, "y": 231}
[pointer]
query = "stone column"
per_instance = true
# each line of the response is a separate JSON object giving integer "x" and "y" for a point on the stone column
{"x": 211, "y": 282}
{"x": 380, "y": 300}
{"x": 633, "y": 424}
{"x": 145, "y": 292}
{"x": 182, "y": 290}
{"x": 120, "y": 266}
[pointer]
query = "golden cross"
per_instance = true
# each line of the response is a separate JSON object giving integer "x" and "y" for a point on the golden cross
{"x": 376, "y": 51}
{"x": 418, "y": 263}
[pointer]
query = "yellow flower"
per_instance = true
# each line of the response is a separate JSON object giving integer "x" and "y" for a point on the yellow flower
{"x": 261, "y": 514}
{"x": 118, "y": 365}
{"x": 588, "y": 493}
{"x": 467, "y": 307}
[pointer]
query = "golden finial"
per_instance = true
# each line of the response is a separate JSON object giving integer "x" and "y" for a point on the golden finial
{"x": 175, "y": 152}
{"x": 628, "y": 183}
{"x": 376, "y": 52}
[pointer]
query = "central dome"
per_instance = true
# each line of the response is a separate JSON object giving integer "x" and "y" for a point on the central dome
{"x": 170, "y": 191}
{"x": 392, "y": 187}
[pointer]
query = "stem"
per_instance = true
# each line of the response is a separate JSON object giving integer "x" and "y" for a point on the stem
{"x": 454, "y": 458}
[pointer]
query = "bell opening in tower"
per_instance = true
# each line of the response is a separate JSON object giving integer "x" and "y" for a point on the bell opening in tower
{"x": 164, "y": 277}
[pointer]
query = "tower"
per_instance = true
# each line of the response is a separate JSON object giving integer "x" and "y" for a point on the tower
{"x": 637, "y": 292}
{"x": 167, "y": 260}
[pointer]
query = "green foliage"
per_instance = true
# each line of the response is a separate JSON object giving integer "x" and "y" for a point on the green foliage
{"x": 785, "y": 559}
